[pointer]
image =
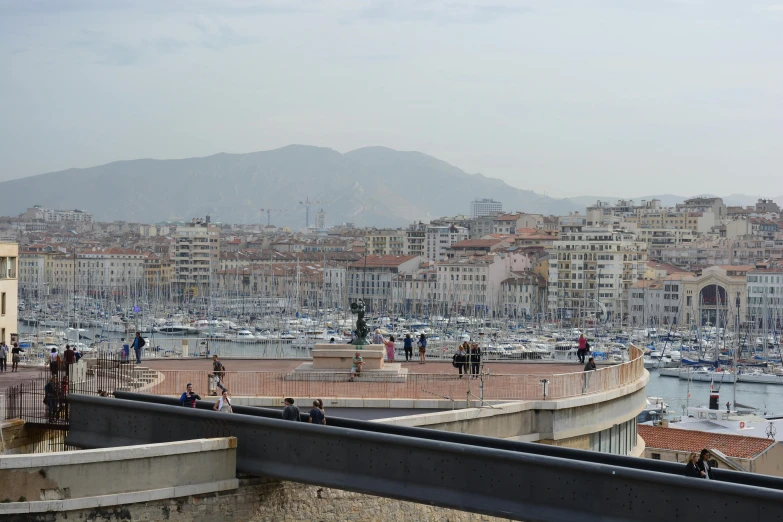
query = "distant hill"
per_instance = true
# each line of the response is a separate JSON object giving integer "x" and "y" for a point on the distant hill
{"x": 372, "y": 186}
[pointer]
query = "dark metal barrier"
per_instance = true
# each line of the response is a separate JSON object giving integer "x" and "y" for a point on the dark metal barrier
{"x": 659, "y": 466}
{"x": 485, "y": 480}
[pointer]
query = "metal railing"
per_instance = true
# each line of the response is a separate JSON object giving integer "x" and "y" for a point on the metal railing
{"x": 489, "y": 386}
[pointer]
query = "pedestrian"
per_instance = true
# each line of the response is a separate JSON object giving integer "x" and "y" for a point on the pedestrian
{"x": 224, "y": 403}
{"x": 704, "y": 466}
{"x": 290, "y": 412}
{"x": 692, "y": 467}
{"x": 475, "y": 360}
{"x": 377, "y": 338}
{"x": 54, "y": 361}
{"x": 63, "y": 398}
{"x": 50, "y": 397}
{"x": 331, "y": 340}
{"x": 581, "y": 348}
{"x": 138, "y": 344}
{"x": 389, "y": 349}
{"x": 458, "y": 359}
{"x": 407, "y": 345}
{"x": 3, "y": 357}
{"x": 422, "y": 344}
{"x": 356, "y": 365}
{"x": 70, "y": 355}
{"x": 189, "y": 397}
{"x": 218, "y": 375}
{"x": 317, "y": 414}
{"x": 728, "y": 407}
{"x": 589, "y": 367}
{"x": 15, "y": 357}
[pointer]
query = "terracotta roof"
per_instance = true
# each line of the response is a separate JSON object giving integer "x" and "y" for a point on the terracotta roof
{"x": 736, "y": 446}
{"x": 382, "y": 261}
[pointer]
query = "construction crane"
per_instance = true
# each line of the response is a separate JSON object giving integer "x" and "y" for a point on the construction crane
{"x": 307, "y": 203}
{"x": 269, "y": 213}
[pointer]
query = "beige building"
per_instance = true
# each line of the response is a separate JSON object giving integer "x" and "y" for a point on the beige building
{"x": 716, "y": 295}
{"x": 196, "y": 256}
{"x": 9, "y": 290}
{"x": 387, "y": 242}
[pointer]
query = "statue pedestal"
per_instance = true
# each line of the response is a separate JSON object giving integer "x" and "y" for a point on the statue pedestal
{"x": 332, "y": 362}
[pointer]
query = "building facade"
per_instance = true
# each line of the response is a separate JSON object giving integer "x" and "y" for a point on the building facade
{"x": 484, "y": 206}
{"x": 439, "y": 239}
{"x": 196, "y": 257}
{"x": 9, "y": 291}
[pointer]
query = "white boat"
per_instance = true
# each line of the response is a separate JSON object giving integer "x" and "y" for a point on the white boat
{"x": 246, "y": 336}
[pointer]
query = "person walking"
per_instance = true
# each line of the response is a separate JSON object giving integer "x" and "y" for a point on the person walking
{"x": 407, "y": 345}
{"x": 692, "y": 467}
{"x": 54, "y": 361}
{"x": 475, "y": 360}
{"x": 704, "y": 466}
{"x": 356, "y": 365}
{"x": 581, "y": 348}
{"x": 138, "y": 344}
{"x": 3, "y": 357}
{"x": 223, "y": 404}
{"x": 218, "y": 375}
{"x": 15, "y": 357}
{"x": 69, "y": 354}
{"x": 422, "y": 348}
{"x": 389, "y": 349}
{"x": 290, "y": 412}
{"x": 317, "y": 415}
{"x": 189, "y": 397}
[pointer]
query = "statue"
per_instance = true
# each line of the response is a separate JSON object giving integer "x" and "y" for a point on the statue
{"x": 361, "y": 326}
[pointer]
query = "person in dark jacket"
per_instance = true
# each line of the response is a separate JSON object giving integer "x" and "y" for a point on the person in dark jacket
{"x": 407, "y": 345}
{"x": 475, "y": 360}
{"x": 704, "y": 465}
{"x": 460, "y": 360}
{"x": 138, "y": 344}
{"x": 290, "y": 412}
{"x": 189, "y": 397}
{"x": 589, "y": 367}
{"x": 692, "y": 467}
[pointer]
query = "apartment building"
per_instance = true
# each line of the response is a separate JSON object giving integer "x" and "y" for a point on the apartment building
{"x": 523, "y": 295}
{"x": 593, "y": 268}
{"x": 416, "y": 238}
{"x": 484, "y": 206}
{"x": 56, "y": 216}
{"x": 196, "y": 256}
{"x": 109, "y": 268}
{"x": 658, "y": 302}
{"x": 765, "y": 298}
{"x": 371, "y": 278}
{"x": 439, "y": 239}
{"x": 387, "y": 242}
{"x": 9, "y": 290}
{"x": 706, "y": 252}
{"x": 704, "y": 204}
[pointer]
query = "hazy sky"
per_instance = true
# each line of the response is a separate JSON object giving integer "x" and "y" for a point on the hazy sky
{"x": 582, "y": 97}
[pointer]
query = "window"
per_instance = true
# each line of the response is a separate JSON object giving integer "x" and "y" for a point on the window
{"x": 655, "y": 456}
{"x": 2, "y": 304}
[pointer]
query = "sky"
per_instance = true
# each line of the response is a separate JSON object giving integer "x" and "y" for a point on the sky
{"x": 567, "y": 98}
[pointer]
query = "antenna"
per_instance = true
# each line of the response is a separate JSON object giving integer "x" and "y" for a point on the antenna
{"x": 308, "y": 203}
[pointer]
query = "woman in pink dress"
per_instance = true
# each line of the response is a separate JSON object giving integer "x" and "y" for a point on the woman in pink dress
{"x": 389, "y": 349}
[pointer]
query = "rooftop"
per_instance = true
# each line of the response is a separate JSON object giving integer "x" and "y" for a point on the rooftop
{"x": 736, "y": 446}
{"x": 381, "y": 261}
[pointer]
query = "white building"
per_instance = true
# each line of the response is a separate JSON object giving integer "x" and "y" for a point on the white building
{"x": 765, "y": 298}
{"x": 119, "y": 268}
{"x": 484, "y": 207}
{"x": 439, "y": 238}
{"x": 54, "y": 216}
{"x": 196, "y": 256}
{"x": 371, "y": 278}
{"x": 320, "y": 220}
{"x": 592, "y": 268}
{"x": 9, "y": 290}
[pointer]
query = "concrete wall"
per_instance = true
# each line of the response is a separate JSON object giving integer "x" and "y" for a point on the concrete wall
{"x": 76, "y": 480}
{"x": 572, "y": 419}
{"x": 260, "y": 500}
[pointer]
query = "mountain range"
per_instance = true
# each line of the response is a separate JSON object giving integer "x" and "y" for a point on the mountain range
{"x": 371, "y": 186}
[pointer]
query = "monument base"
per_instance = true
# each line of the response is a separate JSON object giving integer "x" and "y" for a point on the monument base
{"x": 333, "y": 362}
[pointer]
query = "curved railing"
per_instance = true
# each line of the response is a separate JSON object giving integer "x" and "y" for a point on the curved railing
{"x": 411, "y": 386}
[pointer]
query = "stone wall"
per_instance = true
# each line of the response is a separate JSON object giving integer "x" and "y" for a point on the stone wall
{"x": 259, "y": 500}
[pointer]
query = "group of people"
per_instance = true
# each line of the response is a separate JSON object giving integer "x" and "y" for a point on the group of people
{"x": 317, "y": 414}
{"x": 698, "y": 466}
{"x": 15, "y": 356}
{"x": 56, "y": 361}
{"x": 467, "y": 359}
{"x": 55, "y": 393}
